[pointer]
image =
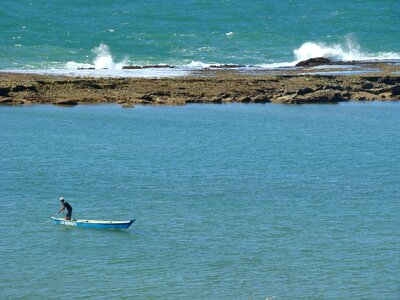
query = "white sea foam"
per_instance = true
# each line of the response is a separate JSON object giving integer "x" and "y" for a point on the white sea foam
{"x": 197, "y": 65}
{"x": 139, "y": 73}
{"x": 71, "y": 65}
{"x": 104, "y": 63}
{"x": 103, "y": 60}
{"x": 277, "y": 65}
{"x": 347, "y": 51}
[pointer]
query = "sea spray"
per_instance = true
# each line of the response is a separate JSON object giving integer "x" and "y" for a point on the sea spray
{"x": 103, "y": 60}
{"x": 349, "y": 50}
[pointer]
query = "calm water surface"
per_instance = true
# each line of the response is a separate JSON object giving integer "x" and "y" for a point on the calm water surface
{"x": 231, "y": 201}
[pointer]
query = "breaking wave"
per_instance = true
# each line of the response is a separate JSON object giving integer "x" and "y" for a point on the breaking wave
{"x": 103, "y": 60}
{"x": 347, "y": 51}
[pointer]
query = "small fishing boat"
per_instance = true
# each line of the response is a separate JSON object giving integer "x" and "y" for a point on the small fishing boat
{"x": 94, "y": 223}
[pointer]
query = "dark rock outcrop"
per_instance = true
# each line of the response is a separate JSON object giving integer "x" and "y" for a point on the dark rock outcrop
{"x": 226, "y": 66}
{"x": 260, "y": 99}
{"x": 66, "y": 102}
{"x": 148, "y": 67}
{"x": 4, "y": 91}
{"x": 305, "y": 90}
{"x": 395, "y": 90}
{"x": 312, "y": 62}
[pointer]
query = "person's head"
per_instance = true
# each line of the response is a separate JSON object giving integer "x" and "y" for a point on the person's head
{"x": 62, "y": 199}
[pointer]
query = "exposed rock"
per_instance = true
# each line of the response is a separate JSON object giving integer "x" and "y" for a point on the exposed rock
{"x": 148, "y": 67}
{"x": 386, "y": 96}
{"x": 4, "y": 91}
{"x": 10, "y": 101}
{"x": 244, "y": 99}
{"x": 225, "y": 95}
{"x": 312, "y": 62}
{"x": 289, "y": 92}
{"x": 287, "y": 99}
{"x": 367, "y": 86}
{"x": 20, "y": 88}
{"x": 332, "y": 87}
{"x": 147, "y": 98}
{"x": 222, "y": 86}
{"x": 94, "y": 85}
{"x": 158, "y": 67}
{"x": 260, "y": 99}
{"x": 225, "y": 66}
{"x": 216, "y": 99}
{"x": 323, "y": 96}
{"x": 132, "y": 67}
{"x": 228, "y": 99}
{"x": 364, "y": 96}
{"x": 395, "y": 90}
{"x": 388, "y": 80}
{"x": 161, "y": 93}
{"x": 7, "y": 101}
{"x": 304, "y": 91}
{"x": 372, "y": 78}
{"x": 320, "y": 96}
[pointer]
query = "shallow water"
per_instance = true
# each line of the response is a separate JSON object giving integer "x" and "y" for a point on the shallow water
{"x": 231, "y": 201}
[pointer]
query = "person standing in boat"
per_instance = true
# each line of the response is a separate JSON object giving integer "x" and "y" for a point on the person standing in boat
{"x": 65, "y": 205}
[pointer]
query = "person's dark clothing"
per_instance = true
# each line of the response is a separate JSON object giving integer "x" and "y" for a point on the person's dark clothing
{"x": 69, "y": 210}
{"x": 67, "y": 206}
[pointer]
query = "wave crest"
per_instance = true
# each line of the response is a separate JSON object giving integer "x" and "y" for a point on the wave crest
{"x": 347, "y": 51}
{"x": 103, "y": 60}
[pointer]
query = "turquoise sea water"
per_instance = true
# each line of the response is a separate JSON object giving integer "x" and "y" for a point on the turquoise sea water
{"x": 231, "y": 201}
{"x": 70, "y": 34}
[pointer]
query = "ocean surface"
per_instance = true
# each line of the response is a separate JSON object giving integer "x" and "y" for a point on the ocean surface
{"x": 232, "y": 201}
{"x": 63, "y": 36}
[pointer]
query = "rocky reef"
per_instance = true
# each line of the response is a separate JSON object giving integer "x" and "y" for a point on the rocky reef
{"x": 208, "y": 86}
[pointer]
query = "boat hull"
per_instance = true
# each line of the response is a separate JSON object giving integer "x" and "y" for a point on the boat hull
{"x": 94, "y": 223}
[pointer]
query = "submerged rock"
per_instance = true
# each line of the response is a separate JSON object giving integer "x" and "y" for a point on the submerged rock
{"x": 66, "y": 102}
{"x": 127, "y": 105}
